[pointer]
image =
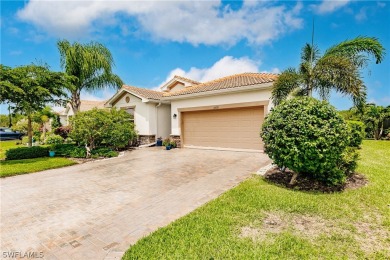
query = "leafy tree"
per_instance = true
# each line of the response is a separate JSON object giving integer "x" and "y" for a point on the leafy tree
{"x": 374, "y": 117}
{"x": 30, "y": 88}
{"x": 90, "y": 66}
{"x": 338, "y": 69}
{"x": 100, "y": 127}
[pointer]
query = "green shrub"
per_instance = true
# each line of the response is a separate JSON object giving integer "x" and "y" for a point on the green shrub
{"x": 26, "y": 152}
{"x": 104, "y": 152}
{"x": 307, "y": 136}
{"x": 99, "y": 127}
{"x": 69, "y": 150}
{"x": 348, "y": 162}
{"x": 54, "y": 139}
{"x": 356, "y": 133}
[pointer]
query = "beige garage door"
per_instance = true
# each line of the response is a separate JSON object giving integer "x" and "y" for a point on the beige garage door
{"x": 237, "y": 128}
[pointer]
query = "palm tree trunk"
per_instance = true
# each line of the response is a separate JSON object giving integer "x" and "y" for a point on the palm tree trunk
{"x": 29, "y": 130}
{"x": 76, "y": 101}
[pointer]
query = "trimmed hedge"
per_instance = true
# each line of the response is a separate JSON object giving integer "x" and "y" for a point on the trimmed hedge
{"x": 26, "y": 153}
{"x": 69, "y": 150}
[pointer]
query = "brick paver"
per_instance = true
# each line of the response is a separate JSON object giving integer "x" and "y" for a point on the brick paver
{"x": 97, "y": 210}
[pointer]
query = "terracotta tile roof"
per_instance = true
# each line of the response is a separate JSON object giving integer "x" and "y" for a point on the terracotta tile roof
{"x": 145, "y": 93}
{"x": 186, "y": 79}
{"x": 90, "y": 104}
{"x": 233, "y": 81}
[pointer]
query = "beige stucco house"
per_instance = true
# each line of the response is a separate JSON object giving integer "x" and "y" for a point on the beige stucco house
{"x": 85, "y": 105}
{"x": 225, "y": 113}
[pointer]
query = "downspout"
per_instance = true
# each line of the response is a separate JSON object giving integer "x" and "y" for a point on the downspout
{"x": 159, "y": 104}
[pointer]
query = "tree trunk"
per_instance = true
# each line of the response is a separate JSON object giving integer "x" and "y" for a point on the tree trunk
{"x": 29, "y": 130}
{"x": 75, "y": 102}
{"x": 380, "y": 131}
{"x": 9, "y": 116}
{"x": 294, "y": 178}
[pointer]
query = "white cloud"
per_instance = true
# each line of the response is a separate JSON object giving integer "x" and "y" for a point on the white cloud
{"x": 195, "y": 22}
{"x": 224, "y": 67}
{"x": 329, "y": 6}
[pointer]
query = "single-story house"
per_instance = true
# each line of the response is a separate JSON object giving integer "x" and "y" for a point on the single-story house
{"x": 85, "y": 105}
{"x": 225, "y": 113}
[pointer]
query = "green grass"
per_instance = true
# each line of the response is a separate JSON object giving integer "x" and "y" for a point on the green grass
{"x": 16, "y": 167}
{"x": 5, "y": 145}
{"x": 351, "y": 224}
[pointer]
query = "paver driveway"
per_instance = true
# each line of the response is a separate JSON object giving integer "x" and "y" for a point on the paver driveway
{"x": 97, "y": 210}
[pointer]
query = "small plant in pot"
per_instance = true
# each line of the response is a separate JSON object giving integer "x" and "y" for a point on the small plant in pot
{"x": 52, "y": 151}
{"x": 167, "y": 143}
{"x": 173, "y": 144}
{"x": 159, "y": 141}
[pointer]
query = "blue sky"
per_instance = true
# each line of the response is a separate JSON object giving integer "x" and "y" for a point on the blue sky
{"x": 203, "y": 40}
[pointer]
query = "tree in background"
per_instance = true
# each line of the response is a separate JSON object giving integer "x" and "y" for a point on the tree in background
{"x": 43, "y": 118}
{"x": 338, "y": 69}
{"x": 90, "y": 66}
{"x": 374, "y": 117}
{"x": 30, "y": 88}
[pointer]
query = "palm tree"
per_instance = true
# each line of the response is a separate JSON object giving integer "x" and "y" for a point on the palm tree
{"x": 90, "y": 66}
{"x": 338, "y": 69}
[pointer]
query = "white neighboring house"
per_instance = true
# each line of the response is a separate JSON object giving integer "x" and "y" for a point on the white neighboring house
{"x": 225, "y": 113}
{"x": 84, "y": 106}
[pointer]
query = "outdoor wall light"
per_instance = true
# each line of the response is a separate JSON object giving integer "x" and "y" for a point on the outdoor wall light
{"x": 174, "y": 116}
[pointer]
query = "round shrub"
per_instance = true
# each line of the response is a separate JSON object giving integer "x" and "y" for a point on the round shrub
{"x": 54, "y": 139}
{"x": 356, "y": 133}
{"x": 307, "y": 136}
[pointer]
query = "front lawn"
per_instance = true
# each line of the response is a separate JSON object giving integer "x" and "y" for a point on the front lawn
{"x": 258, "y": 220}
{"x": 16, "y": 167}
{"x": 5, "y": 145}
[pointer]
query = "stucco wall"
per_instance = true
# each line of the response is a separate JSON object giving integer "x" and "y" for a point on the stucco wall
{"x": 141, "y": 112}
{"x": 145, "y": 116}
{"x": 228, "y": 100}
{"x": 164, "y": 121}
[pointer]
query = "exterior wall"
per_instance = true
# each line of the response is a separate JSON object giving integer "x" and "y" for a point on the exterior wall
{"x": 141, "y": 112}
{"x": 177, "y": 87}
{"x": 237, "y": 99}
{"x": 64, "y": 120}
{"x": 149, "y": 119}
{"x": 164, "y": 121}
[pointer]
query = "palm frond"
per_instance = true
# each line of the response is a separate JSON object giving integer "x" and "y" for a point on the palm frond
{"x": 359, "y": 46}
{"x": 287, "y": 82}
{"x": 341, "y": 74}
{"x": 310, "y": 53}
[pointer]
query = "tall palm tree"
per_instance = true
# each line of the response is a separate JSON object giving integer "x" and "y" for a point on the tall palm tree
{"x": 338, "y": 69}
{"x": 90, "y": 66}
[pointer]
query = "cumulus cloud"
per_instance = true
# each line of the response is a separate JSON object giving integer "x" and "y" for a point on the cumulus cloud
{"x": 228, "y": 65}
{"x": 195, "y": 22}
{"x": 329, "y": 6}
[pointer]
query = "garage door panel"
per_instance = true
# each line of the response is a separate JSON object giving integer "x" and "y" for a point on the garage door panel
{"x": 226, "y": 128}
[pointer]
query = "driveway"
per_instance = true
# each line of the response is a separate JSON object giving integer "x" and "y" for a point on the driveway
{"x": 98, "y": 209}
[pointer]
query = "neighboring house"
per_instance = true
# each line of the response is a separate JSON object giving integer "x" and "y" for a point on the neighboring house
{"x": 225, "y": 113}
{"x": 85, "y": 105}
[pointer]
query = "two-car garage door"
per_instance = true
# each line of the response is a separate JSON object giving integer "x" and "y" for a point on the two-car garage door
{"x": 237, "y": 128}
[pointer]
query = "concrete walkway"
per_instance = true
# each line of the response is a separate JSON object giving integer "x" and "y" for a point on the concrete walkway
{"x": 98, "y": 209}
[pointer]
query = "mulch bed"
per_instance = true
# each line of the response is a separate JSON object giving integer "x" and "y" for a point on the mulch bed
{"x": 305, "y": 183}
